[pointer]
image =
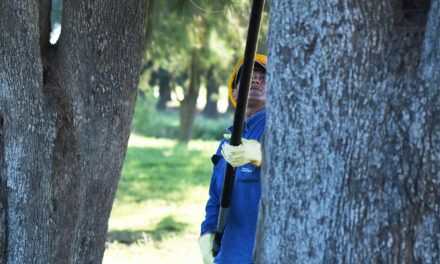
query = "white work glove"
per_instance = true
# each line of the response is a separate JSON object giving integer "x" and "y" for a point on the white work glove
{"x": 205, "y": 244}
{"x": 249, "y": 151}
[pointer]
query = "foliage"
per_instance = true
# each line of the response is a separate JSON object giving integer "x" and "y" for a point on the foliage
{"x": 150, "y": 122}
{"x": 220, "y": 36}
{"x": 160, "y": 202}
{"x": 165, "y": 124}
{"x": 205, "y": 128}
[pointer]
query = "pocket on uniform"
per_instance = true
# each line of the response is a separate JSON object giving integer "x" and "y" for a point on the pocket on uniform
{"x": 219, "y": 164}
{"x": 216, "y": 158}
{"x": 247, "y": 172}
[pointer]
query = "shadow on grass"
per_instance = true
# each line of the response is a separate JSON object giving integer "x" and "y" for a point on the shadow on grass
{"x": 166, "y": 173}
{"x": 165, "y": 227}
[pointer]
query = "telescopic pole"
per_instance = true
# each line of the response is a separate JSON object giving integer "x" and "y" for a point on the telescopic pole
{"x": 237, "y": 129}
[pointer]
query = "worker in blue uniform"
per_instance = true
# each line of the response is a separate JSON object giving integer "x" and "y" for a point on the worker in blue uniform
{"x": 241, "y": 223}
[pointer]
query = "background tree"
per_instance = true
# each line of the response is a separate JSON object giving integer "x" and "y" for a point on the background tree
{"x": 164, "y": 88}
{"x": 212, "y": 91}
{"x": 352, "y": 146}
{"x": 65, "y": 115}
{"x": 217, "y": 36}
{"x": 185, "y": 50}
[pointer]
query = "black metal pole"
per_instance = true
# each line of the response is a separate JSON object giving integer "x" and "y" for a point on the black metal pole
{"x": 237, "y": 129}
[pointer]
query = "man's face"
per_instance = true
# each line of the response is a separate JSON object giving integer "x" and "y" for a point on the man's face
{"x": 257, "y": 92}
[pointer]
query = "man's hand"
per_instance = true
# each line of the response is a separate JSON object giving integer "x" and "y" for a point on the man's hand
{"x": 205, "y": 244}
{"x": 249, "y": 151}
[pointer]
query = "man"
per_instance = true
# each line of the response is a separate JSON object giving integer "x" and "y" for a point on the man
{"x": 241, "y": 223}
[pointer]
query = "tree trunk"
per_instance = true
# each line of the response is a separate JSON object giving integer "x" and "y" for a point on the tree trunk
{"x": 164, "y": 89}
{"x": 66, "y": 111}
{"x": 188, "y": 105}
{"x": 212, "y": 91}
{"x": 3, "y": 198}
{"x": 351, "y": 166}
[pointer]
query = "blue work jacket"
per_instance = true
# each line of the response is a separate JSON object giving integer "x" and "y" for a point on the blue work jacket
{"x": 241, "y": 223}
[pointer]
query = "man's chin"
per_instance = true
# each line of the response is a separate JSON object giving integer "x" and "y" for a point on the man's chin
{"x": 255, "y": 93}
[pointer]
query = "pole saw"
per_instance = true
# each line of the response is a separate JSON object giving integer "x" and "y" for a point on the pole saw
{"x": 240, "y": 110}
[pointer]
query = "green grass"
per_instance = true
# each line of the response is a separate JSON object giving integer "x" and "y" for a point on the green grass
{"x": 160, "y": 202}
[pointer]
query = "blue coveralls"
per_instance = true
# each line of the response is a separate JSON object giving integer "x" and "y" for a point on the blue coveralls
{"x": 241, "y": 224}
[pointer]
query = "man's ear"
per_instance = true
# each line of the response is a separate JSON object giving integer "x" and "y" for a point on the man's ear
{"x": 235, "y": 94}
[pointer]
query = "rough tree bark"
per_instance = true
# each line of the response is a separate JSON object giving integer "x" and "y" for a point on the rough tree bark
{"x": 351, "y": 167}
{"x": 189, "y": 103}
{"x": 3, "y": 198}
{"x": 65, "y": 113}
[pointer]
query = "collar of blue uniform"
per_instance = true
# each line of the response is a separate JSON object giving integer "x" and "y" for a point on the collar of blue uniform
{"x": 251, "y": 121}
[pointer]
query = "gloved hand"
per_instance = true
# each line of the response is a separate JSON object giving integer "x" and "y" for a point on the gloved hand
{"x": 247, "y": 151}
{"x": 205, "y": 244}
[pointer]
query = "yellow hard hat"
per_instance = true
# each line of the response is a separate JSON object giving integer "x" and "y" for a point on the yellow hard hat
{"x": 260, "y": 59}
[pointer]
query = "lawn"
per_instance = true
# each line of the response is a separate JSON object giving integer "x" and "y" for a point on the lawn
{"x": 160, "y": 202}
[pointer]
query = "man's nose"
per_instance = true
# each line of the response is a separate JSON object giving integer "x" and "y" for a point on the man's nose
{"x": 255, "y": 78}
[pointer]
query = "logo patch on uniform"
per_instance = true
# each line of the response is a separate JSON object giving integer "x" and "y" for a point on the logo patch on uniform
{"x": 244, "y": 169}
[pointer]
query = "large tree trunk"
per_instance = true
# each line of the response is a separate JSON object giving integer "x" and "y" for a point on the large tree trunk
{"x": 66, "y": 112}
{"x": 351, "y": 168}
{"x": 189, "y": 103}
{"x": 3, "y": 198}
